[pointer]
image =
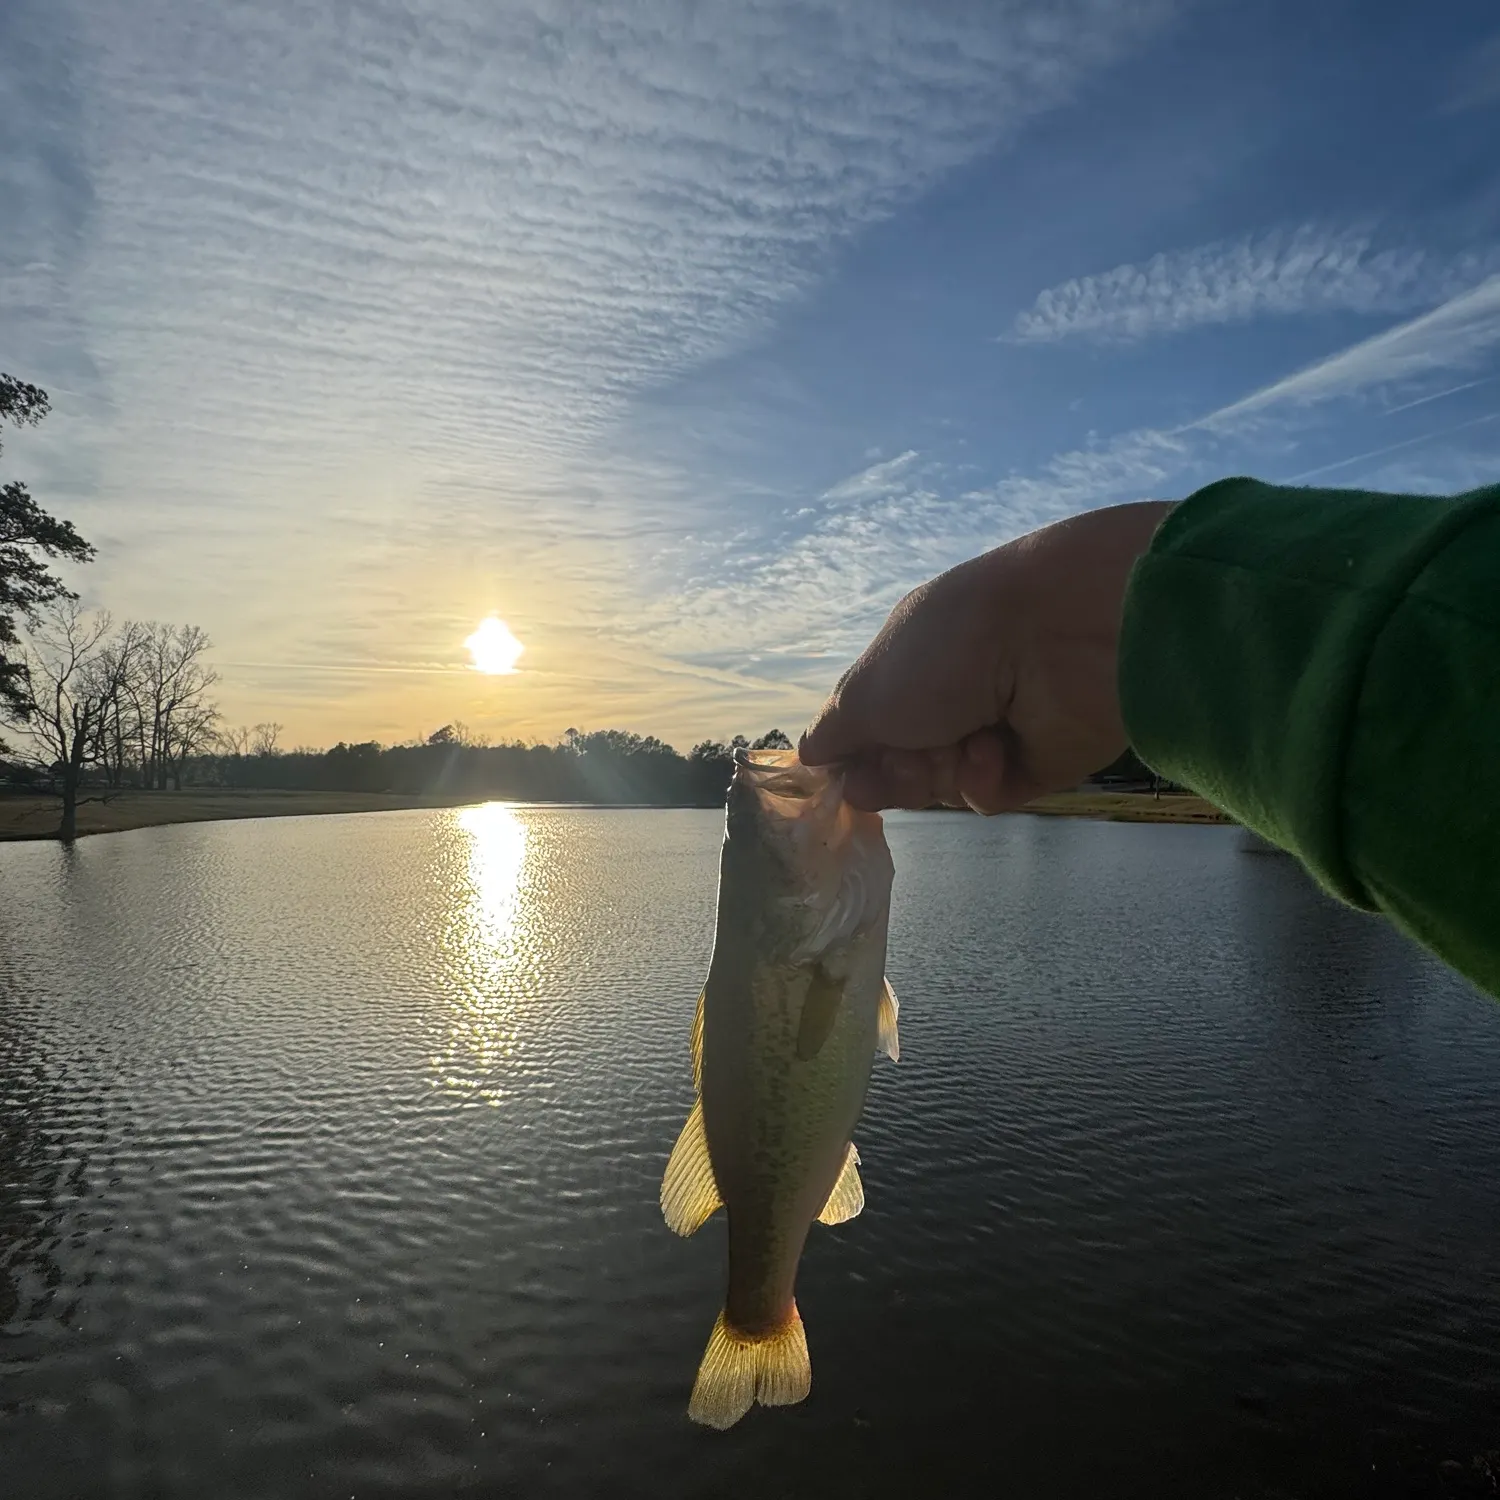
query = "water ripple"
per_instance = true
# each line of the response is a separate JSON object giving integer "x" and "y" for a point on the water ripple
{"x": 329, "y": 1153}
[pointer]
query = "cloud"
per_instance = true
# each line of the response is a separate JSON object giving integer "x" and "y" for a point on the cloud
{"x": 809, "y": 587}
{"x": 1306, "y": 270}
{"x": 1418, "y": 441}
{"x": 495, "y": 225}
{"x": 815, "y": 584}
{"x": 1459, "y": 335}
{"x": 360, "y": 299}
{"x": 1454, "y": 470}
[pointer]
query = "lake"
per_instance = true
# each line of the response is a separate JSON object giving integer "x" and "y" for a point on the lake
{"x": 329, "y": 1155}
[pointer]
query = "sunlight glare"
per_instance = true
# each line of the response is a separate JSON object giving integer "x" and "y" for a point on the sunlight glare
{"x": 497, "y": 856}
{"x": 493, "y": 648}
{"x": 489, "y": 958}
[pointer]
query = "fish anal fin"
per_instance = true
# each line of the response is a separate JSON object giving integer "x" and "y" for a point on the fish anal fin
{"x": 847, "y": 1199}
{"x": 689, "y": 1192}
{"x": 887, "y": 1040}
{"x": 820, "y": 1008}
{"x": 739, "y": 1370}
{"x": 697, "y": 1043}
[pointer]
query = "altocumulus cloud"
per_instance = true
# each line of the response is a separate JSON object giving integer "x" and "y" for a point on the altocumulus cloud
{"x": 817, "y": 586}
{"x": 1277, "y": 273}
{"x": 349, "y": 286}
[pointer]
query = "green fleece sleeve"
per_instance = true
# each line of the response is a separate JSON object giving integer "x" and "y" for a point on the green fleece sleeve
{"x": 1325, "y": 666}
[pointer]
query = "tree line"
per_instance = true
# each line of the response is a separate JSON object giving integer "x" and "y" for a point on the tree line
{"x": 102, "y": 722}
{"x": 599, "y": 766}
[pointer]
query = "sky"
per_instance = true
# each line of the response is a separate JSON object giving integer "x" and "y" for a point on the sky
{"x": 686, "y": 337}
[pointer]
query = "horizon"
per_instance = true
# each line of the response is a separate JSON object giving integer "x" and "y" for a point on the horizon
{"x": 685, "y": 345}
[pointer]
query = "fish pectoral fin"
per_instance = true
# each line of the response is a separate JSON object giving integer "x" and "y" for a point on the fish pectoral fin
{"x": 738, "y": 1370}
{"x": 847, "y": 1199}
{"x": 689, "y": 1192}
{"x": 697, "y": 1042}
{"x": 820, "y": 1008}
{"x": 886, "y": 1039}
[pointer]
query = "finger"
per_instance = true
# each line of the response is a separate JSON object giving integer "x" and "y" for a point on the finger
{"x": 981, "y": 772}
{"x": 844, "y": 726}
{"x": 890, "y": 778}
{"x": 815, "y": 747}
{"x": 991, "y": 774}
{"x": 864, "y": 787}
{"x": 943, "y": 766}
{"x": 833, "y": 735}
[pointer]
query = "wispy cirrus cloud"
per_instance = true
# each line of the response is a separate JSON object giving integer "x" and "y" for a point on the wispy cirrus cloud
{"x": 1459, "y": 335}
{"x": 359, "y": 298}
{"x": 497, "y": 224}
{"x": 1323, "y": 472}
{"x": 816, "y": 583}
{"x": 1306, "y": 270}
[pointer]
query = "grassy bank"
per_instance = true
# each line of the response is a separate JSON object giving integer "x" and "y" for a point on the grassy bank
{"x": 1128, "y": 807}
{"x": 36, "y": 817}
{"x": 24, "y": 817}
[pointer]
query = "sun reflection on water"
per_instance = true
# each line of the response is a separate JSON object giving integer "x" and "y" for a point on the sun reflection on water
{"x": 497, "y": 861}
{"x": 487, "y": 937}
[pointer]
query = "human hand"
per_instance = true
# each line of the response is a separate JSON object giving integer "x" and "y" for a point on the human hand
{"x": 994, "y": 682}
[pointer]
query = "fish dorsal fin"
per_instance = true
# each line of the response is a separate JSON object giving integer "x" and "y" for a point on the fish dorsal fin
{"x": 697, "y": 1044}
{"x": 848, "y": 1196}
{"x": 887, "y": 1040}
{"x": 820, "y": 1008}
{"x": 689, "y": 1192}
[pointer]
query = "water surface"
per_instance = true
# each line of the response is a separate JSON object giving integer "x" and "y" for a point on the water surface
{"x": 329, "y": 1153}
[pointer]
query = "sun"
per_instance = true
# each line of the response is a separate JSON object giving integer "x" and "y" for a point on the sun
{"x": 494, "y": 649}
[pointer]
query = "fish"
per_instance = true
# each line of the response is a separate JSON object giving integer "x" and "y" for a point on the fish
{"x": 795, "y": 1008}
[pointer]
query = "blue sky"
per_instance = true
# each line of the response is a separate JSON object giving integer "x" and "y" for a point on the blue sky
{"x": 687, "y": 337}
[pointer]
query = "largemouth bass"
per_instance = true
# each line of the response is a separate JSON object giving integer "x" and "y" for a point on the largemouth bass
{"x": 794, "y": 1010}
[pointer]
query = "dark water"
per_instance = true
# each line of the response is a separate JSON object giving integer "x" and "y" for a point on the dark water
{"x": 329, "y": 1153}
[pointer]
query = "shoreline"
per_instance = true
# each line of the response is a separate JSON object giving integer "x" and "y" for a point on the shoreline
{"x": 1128, "y": 807}
{"x": 33, "y": 819}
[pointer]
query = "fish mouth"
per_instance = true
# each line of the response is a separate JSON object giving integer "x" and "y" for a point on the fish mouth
{"x": 779, "y": 773}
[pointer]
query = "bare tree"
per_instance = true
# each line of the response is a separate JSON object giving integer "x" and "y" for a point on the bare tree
{"x": 192, "y": 730}
{"x": 265, "y": 739}
{"x": 68, "y": 679}
{"x": 176, "y": 719}
{"x": 119, "y": 731}
{"x": 470, "y": 739}
{"x": 233, "y": 741}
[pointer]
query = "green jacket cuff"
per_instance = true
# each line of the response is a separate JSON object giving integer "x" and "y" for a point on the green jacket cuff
{"x": 1247, "y": 641}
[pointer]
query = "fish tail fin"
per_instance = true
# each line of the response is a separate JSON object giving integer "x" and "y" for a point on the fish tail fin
{"x": 738, "y": 1370}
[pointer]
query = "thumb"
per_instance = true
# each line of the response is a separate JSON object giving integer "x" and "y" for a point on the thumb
{"x": 833, "y": 735}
